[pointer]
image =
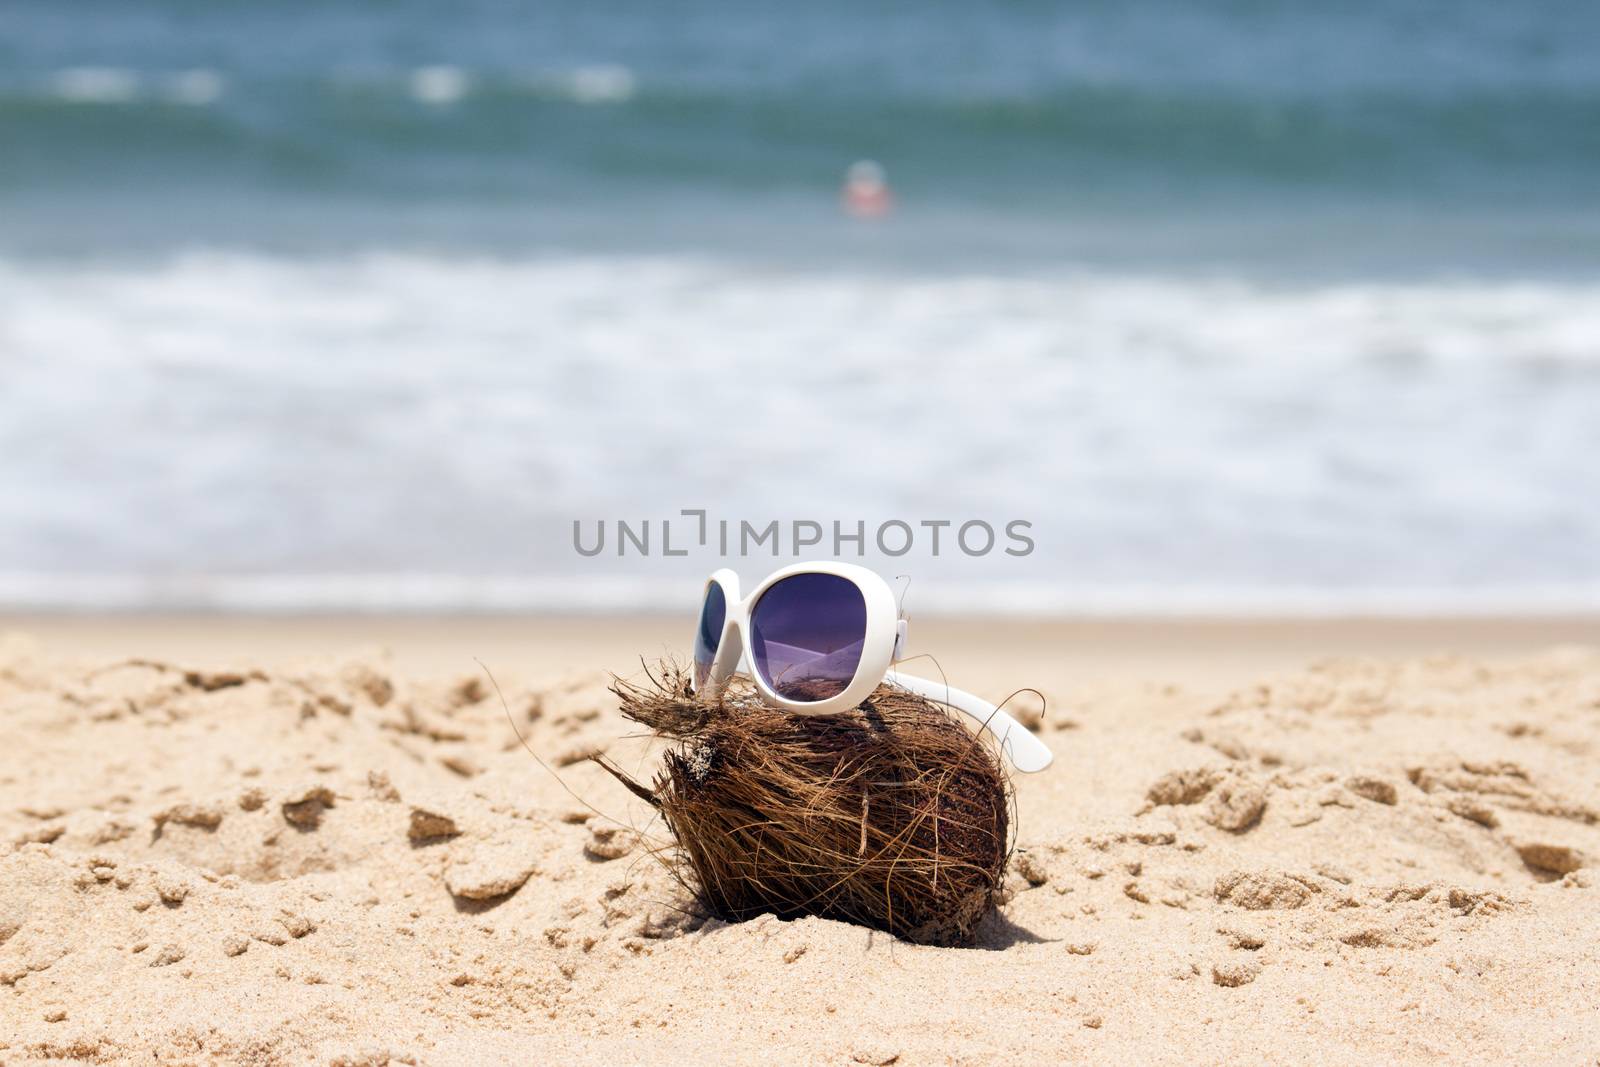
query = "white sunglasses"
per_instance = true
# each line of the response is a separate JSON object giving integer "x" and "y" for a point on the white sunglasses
{"x": 817, "y": 639}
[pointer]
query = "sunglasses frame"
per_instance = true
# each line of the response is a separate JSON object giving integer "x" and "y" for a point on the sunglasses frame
{"x": 883, "y": 643}
{"x": 734, "y": 657}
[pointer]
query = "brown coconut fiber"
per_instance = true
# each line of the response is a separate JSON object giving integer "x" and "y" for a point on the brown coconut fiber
{"x": 892, "y": 815}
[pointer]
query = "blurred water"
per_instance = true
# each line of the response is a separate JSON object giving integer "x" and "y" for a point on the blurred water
{"x": 1241, "y": 305}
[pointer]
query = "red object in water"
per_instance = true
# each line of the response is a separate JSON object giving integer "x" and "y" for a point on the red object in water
{"x": 866, "y": 192}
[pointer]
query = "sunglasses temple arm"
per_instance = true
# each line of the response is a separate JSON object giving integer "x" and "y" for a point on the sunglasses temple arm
{"x": 1026, "y": 752}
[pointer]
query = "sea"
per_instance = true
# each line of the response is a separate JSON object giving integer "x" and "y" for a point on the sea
{"x": 382, "y": 305}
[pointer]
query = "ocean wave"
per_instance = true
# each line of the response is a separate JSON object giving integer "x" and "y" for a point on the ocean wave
{"x": 411, "y": 414}
{"x": 436, "y": 83}
{"x": 1064, "y": 314}
{"x": 514, "y": 593}
{"x": 599, "y": 84}
{"x": 1074, "y": 135}
{"x": 117, "y": 85}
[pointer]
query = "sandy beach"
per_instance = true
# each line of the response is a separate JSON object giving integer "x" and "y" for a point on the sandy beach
{"x": 319, "y": 841}
{"x": 1214, "y": 385}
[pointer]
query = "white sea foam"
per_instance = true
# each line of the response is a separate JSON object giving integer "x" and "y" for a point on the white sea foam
{"x": 407, "y": 592}
{"x": 605, "y": 83}
{"x": 196, "y": 87}
{"x": 439, "y": 84}
{"x": 95, "y": 85}
{"x": 325, "y": 433}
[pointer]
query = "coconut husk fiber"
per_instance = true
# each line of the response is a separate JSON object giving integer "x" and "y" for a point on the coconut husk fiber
{"x": 892, "y": 815}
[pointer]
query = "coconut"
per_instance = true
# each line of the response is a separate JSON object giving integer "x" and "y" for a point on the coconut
{"x": 891, "y": 815}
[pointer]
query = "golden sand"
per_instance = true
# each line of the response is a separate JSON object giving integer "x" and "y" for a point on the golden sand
{"x": 350, "y": 860}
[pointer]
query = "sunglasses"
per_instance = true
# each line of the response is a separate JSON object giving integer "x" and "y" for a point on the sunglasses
{"x": 817, "y": 639}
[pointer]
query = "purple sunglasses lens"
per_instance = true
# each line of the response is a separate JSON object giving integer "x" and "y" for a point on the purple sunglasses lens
{"x": 706, "y": 638}
{"x": 806, "y": 635}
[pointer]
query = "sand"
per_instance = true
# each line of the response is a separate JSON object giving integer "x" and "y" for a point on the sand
{"x": 264, "y": 851}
